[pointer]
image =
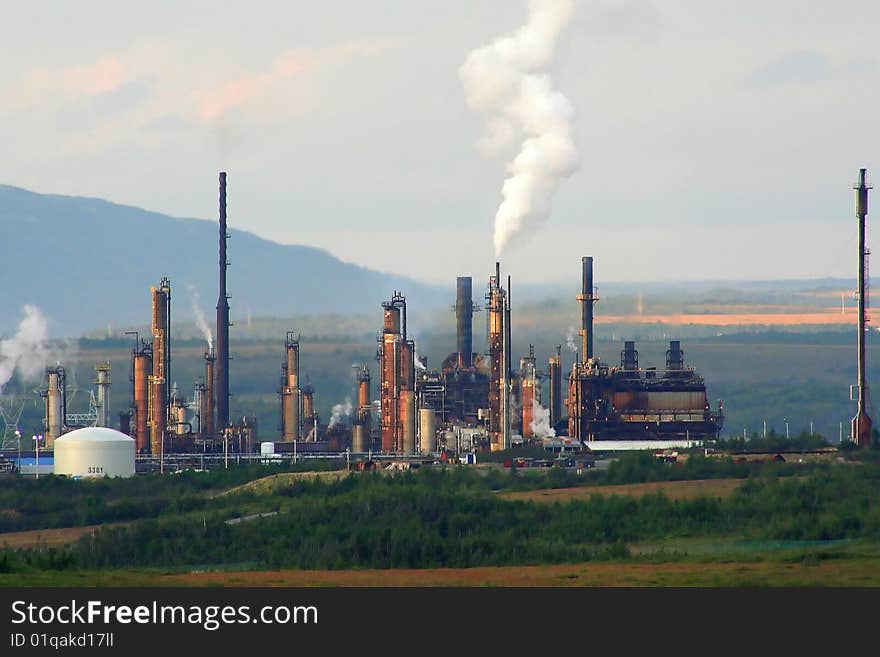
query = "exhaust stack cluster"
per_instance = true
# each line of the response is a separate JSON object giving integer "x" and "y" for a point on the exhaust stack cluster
{"x": 397, "y": 379}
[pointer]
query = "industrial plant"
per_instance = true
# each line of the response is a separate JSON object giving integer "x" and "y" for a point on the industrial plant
{"x": 470, "y": 402}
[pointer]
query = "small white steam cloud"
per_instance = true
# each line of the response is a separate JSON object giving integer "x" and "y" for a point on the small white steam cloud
{"x": 339, "y": 410}
{"x": 200, "y": 316}
{"x": 540, "y": 424}
{"x": 507, "y": 81}
{"x": 569, "y": 339}
{"x": 28, "y": 350}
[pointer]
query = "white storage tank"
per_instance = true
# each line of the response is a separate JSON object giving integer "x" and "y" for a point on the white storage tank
{"x": 94, "y": 452}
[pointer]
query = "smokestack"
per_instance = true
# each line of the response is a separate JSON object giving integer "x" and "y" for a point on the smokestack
{"x": 464, "y": 316}
{"x": 555, "y": 368}
{"x": 528, "y": 391}
{"x": 508, "y": 383}
{"x": 102, "y": 382}
{"x": 629, "y": 357}
{"x": 290, "y": 419}
{"x": 497, "y": 360}
{"x": 221, "y": 370}
{"x": 674, "y": 356}
{"x": 361, "y": 427}
{"x": 159, "y": 391}
{"x": 861, "y": 424}
{"x": 142, "y": 367}
{"x": 208, "y": 396}
{"x": 56, "y": 404}
{"x": 587, "y": 300}
{"x": 389, "y": 376}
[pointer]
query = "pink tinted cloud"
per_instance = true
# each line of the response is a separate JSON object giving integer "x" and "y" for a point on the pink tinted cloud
{"x": 288, "y": 65}
{"x": 239, "y": 92}
{"x": 107, "y": 74}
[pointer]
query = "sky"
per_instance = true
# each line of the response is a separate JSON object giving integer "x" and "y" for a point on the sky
{"x": 717, "y": 140}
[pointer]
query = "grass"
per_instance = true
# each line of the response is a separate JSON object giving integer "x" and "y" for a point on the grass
{"x": 674, "y": 490}
{"x": 799, "y": 568}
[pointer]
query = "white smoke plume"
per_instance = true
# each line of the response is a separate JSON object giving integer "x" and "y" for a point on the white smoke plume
{"x": 339, "y": 410}
{"x": 540, "y": 423}
{"x": 200, "y": 316}
{"x": 569, "y": 339}
{"x": 507, "y": 81}
{"x": 28, "y": 350}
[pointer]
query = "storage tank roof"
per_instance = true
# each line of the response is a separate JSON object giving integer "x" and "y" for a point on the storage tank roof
{"x": 94, "y": 435}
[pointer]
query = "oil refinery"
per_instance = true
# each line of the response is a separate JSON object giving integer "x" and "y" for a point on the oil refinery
{"x": 469, "y": 402}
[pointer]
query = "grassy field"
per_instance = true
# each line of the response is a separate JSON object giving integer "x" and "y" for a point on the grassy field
{"x": 693, "y": 560}
{"x": 674, "y": 490}
{"x": 791, "y": 569}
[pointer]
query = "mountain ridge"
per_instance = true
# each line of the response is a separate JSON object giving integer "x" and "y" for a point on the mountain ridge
{"x": 87, "y": 262}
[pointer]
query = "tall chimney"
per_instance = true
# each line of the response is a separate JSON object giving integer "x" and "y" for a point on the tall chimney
{"x": 496, "y": 342}
{"x": 102, "y": 384}
{"x": 464, "y": 316}
{"x": 290, "y": 397}
{"x": 555, "y": 368}
{"x": 208, "y": 398}
{"x": 587, "y": 301}
{"x": 508, "y": 374}
{"x": 861, "y": 424}
{"x": 142, "y": 369}
{"x": 221, "y": 370}
{"x": 160, "y": 392}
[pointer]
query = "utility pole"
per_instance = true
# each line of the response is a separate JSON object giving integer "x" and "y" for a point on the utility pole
{"x": 861, "y": 424}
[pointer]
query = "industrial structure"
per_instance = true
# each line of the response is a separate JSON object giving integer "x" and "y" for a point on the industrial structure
{"x": 397, "y": 418}
{"x": 55, "y": 395}
{"x": 628, "y": 402}
{"x": 160, "y": 394}
{"x": 291, "y": 399}
{"x": 361, "y": 430}
{"x": 861, "y": 423}
{"x": 94, "y": 452}
{"x": 221, "y": 370}
{"x": 473, "y": 400}
{"x": 500, "y": 383}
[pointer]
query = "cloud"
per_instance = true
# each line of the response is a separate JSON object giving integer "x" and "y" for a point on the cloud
{"x": 288, "y": 65}
{"x": 107, "y": 74}
{"x": 792, "y": 67}
{"x": 236, "y": 93}
{"x": 84, "y": 80}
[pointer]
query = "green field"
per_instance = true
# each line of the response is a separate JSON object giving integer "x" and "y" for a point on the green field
{"x": 785, "y": 524}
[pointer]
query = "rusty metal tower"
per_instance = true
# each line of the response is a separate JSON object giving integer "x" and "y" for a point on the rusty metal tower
{"x": 861, "y": 423}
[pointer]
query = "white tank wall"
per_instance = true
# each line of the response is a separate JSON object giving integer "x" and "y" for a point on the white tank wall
{"x": 94, "y": 452}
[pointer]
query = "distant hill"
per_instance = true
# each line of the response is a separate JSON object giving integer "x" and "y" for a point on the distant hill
{"x": 88, "y": 263}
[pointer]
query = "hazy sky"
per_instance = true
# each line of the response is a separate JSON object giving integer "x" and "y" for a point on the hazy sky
{"x": 717, "y": 139}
